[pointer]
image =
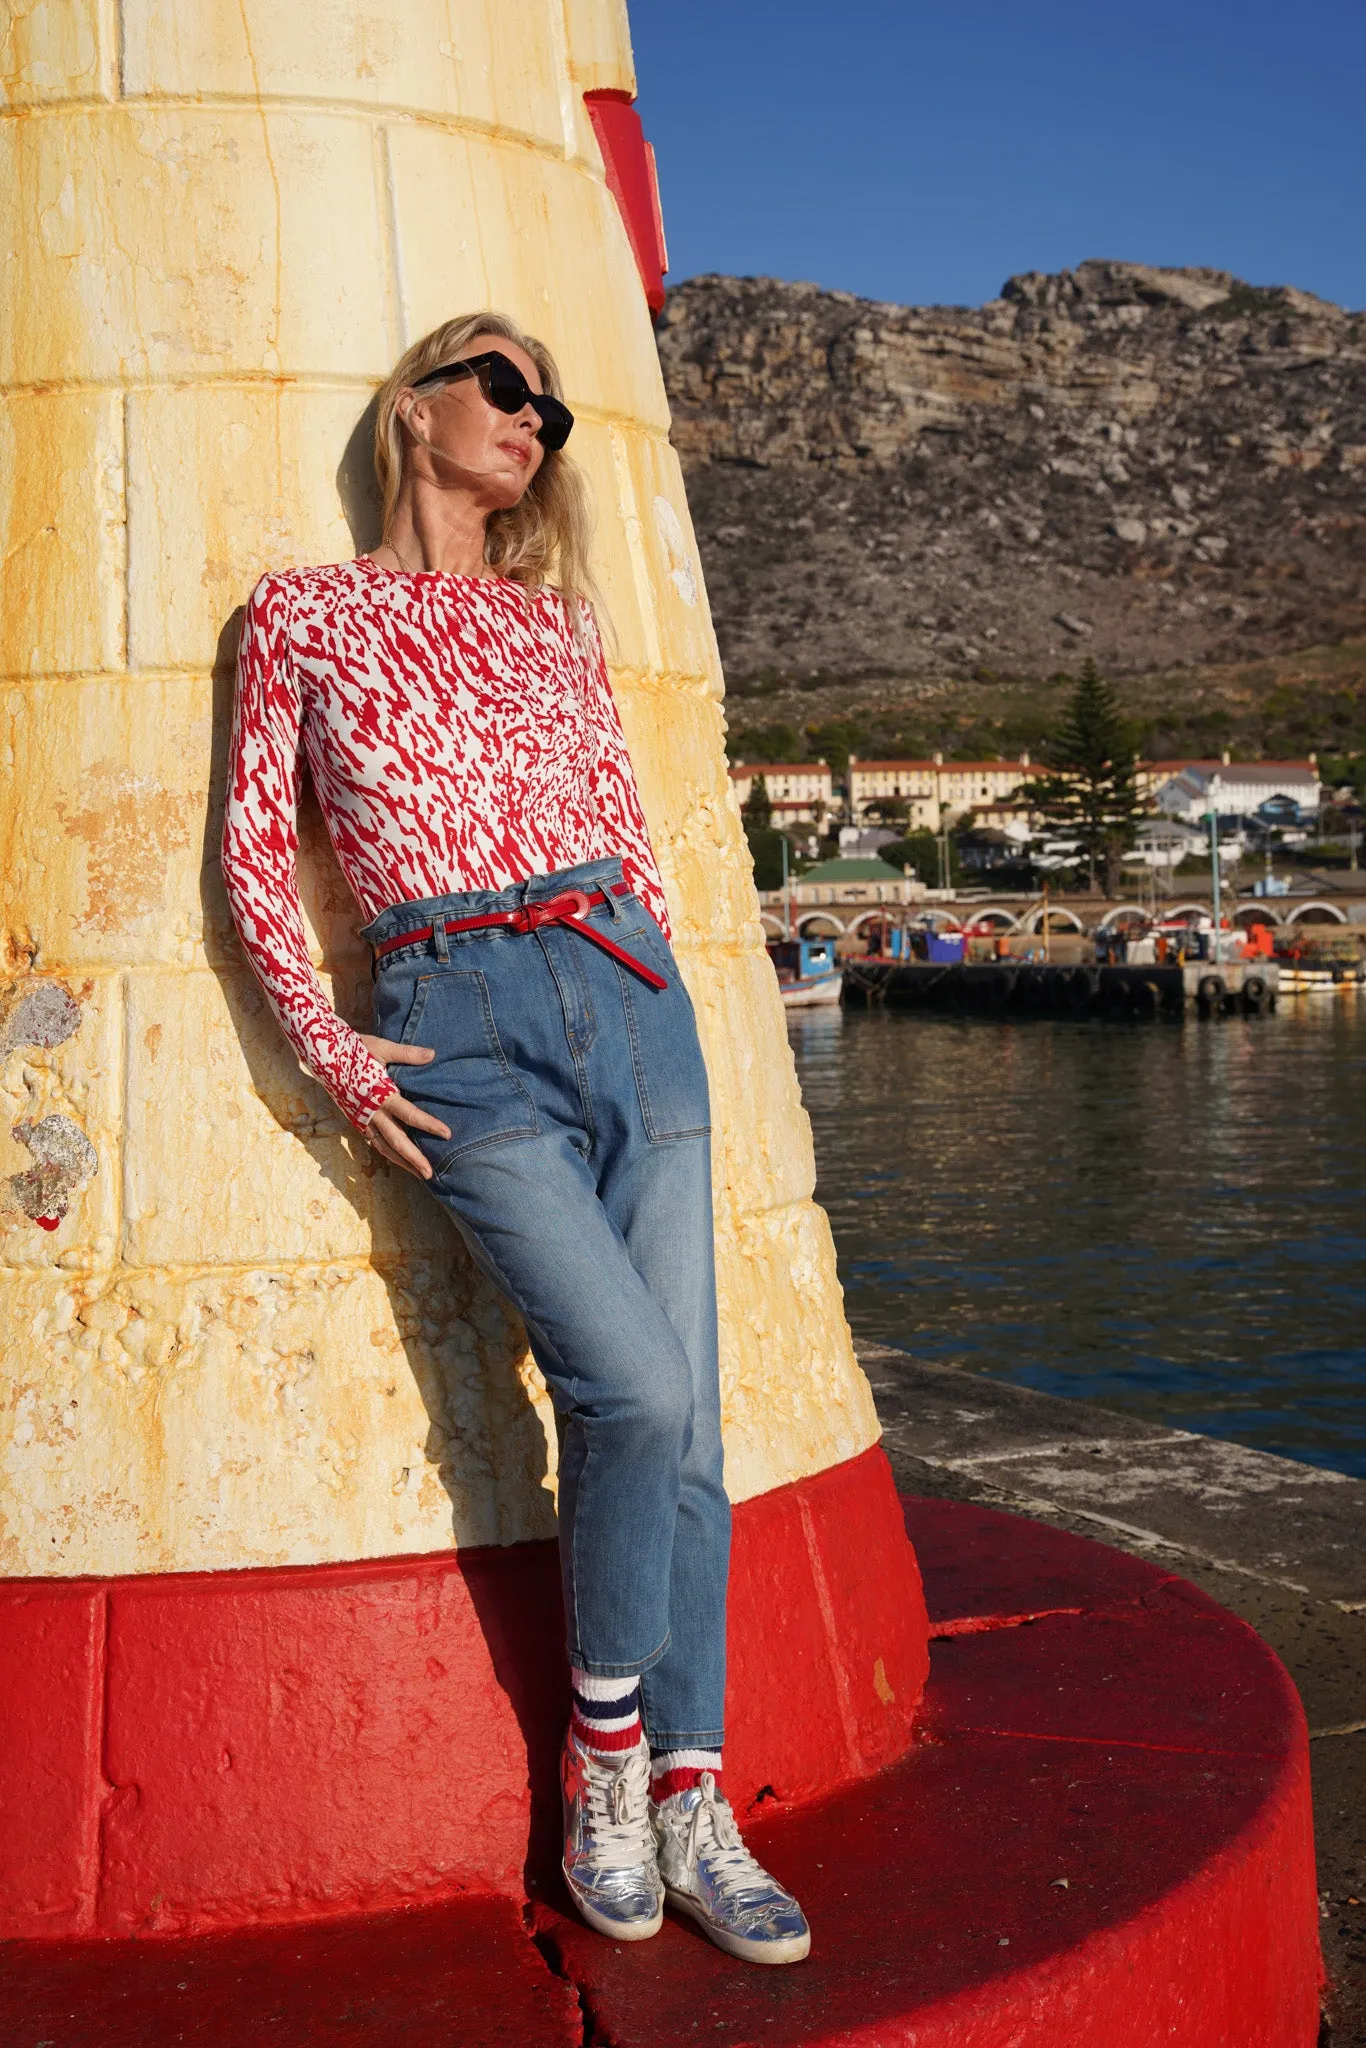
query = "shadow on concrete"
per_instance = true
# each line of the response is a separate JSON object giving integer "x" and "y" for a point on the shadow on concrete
{"x": 526, "y": 1650}
{"x": 356, "y": 484}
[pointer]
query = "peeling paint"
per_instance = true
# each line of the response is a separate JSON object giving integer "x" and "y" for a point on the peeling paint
{"x": 44, "y": 1014}
{"x": 130, "y": 824}
{"x": 64, "y": 1160}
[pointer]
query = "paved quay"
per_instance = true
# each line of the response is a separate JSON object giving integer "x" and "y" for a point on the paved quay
{"x": 1281, "y": 1543}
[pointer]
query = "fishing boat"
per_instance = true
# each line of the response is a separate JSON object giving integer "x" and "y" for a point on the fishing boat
{"x": 807, "y": 971}
{"x": 1315, "y": 975}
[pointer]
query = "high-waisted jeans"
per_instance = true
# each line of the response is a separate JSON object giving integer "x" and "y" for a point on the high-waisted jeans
{"x": 578, "y": 1172}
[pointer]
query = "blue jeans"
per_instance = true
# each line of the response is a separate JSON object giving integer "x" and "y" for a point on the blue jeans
{"x": 578, "y": 1172}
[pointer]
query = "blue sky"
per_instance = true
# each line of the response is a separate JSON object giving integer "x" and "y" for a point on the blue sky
{"x": 922, "y": 153}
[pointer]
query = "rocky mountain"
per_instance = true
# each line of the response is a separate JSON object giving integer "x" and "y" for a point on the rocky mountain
{"x": 1164, "y": 468}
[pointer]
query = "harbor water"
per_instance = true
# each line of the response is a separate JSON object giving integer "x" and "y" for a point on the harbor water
{"x": 1166, "y": 1219}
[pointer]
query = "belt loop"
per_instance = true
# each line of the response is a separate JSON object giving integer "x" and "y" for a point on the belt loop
{"x": 613, "y": 900}
{"x": 442, "y": 943}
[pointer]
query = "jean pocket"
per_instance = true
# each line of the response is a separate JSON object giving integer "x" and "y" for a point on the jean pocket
{"x": 470, "y": 1084}
{"x": 670, "y": 1073}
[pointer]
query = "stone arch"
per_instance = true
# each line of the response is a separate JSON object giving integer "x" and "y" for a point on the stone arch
{"x": 1325, "y": 913}
{"x": 809, "y": 919}
{"x": 995, "y": 911}
{"x": 1123, "y": 913}
{"x": 1033, "y": 919}
{"x": 772, "y": 923}
{"x": 1187, "y": 910}
{"x": 1248, "y": 914}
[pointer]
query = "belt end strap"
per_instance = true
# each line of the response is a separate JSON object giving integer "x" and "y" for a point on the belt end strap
{"x": 647, "y": 974}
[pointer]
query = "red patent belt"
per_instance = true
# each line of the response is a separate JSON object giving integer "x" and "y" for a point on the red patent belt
{"x": 567, "y": 910}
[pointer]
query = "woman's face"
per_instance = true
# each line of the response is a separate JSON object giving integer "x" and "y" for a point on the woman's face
{"x": 494, "y": 453}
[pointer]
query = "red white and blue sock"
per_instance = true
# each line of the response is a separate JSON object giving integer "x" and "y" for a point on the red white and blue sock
{"x": 606, "y": 1719}
{"x": 678, "y": 1770}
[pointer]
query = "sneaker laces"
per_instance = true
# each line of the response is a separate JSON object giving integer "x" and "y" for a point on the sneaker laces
{"x": 712, "y": 1831}
{"x": 618, "y": 1820}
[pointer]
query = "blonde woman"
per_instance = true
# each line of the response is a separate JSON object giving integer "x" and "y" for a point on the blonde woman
{"x": 535, "y": 1058}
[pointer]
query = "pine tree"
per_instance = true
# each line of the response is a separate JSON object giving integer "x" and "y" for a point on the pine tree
{"x": 758, "y": 810}
{"x": 1089, "y": 792}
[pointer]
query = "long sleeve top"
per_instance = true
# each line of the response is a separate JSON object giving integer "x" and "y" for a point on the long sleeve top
{"x": 459, "y": 736}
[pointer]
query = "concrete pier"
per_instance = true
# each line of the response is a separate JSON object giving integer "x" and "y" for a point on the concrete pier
{"x": 1281, "y": 1543}
{"x": 1204, "y": 988}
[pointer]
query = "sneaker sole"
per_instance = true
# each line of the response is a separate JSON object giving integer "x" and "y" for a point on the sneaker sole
{"x": 617, "y": 1930}
{"x": 794, "y": 1948}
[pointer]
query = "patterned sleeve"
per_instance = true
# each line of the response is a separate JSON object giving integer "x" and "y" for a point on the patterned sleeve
{"x": 260, "y": 849}
{"x": 614, "y": 788}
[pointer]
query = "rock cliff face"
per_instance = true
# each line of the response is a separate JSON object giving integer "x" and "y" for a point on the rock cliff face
{"x": 1160, "y": 467}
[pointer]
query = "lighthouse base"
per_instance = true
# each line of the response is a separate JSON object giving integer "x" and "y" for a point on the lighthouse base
{"x": 1102, "y": 1835}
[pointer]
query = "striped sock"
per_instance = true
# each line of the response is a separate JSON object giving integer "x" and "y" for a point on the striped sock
{"x": 606, "y": 1716}
{"x": 678, "y": 1770}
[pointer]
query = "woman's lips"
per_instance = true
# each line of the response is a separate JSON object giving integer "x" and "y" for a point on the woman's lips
{"x": 517, "y": 451}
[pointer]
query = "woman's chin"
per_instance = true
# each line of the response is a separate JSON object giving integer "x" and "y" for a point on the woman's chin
{"x": 506, "y": 490}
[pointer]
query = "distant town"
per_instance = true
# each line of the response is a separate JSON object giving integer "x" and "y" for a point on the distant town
{"x": 973, "y": 818}
{"x": 1091, "y": 815}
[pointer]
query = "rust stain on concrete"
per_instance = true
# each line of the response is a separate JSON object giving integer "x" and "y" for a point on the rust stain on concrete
{"x": 131, "y": 823}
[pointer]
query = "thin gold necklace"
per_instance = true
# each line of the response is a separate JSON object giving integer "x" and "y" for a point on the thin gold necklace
{"x": 388, "y": 543}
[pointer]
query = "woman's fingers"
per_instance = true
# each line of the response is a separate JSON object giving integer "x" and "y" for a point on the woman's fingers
{"x": 385, "y": 1133}
{"x": 390, "y": 1053}
{"x": 405, "y": 1112}
{"x": 388, "y": 1140}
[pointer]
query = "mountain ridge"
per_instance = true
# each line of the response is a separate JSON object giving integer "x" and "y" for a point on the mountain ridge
{"x": 1163, "y": 468}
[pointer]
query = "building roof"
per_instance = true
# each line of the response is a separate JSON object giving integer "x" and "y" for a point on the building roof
{"x": 1169, "y": 829}
{"x": 1265, "y": 771}
{"x": 855, "y": 869}
{"x": 938, "y": 767}
{"x": 1248, "y": 770}
{"x": 780, "y": 768}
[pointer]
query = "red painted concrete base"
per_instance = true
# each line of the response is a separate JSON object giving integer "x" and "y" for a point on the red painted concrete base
{"x": 1101, "y": 1839}
{"x": 213, "y": 1750}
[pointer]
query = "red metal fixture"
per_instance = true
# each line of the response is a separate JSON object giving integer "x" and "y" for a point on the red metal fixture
{"x": 631, "y": 179}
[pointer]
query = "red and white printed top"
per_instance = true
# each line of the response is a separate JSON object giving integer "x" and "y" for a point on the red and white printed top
{"x": 459, "y": 736}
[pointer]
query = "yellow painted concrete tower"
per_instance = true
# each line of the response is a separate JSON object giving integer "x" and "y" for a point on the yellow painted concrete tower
{"x": 229, "y": 1337}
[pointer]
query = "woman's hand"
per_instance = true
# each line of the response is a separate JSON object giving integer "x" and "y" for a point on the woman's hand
{"x": 385, "y": 1128}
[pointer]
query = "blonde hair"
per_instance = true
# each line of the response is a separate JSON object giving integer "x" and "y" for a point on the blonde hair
{"x": 545, "y": 537}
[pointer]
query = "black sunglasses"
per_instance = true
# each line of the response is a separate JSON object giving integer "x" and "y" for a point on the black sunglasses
{"x": 503, "y": 385}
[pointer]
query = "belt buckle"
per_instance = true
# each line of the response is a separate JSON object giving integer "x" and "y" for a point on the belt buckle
{"x": 573, "y": 903}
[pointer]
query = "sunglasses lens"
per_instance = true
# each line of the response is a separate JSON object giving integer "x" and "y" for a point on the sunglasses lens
{"x": 504, "y": 386}
{"x": 556, "y": 420}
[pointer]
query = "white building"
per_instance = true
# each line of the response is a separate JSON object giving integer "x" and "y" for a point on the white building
{"x": 1239, "y": 786}
{"x": 1165, "y": 843}
{"x": 935, "y": 792}
{"x": 798, "y": 791}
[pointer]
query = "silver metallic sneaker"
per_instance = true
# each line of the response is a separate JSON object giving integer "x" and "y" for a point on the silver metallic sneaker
{"x": 609, "y": 1852}
{"x": 709, "y": 1873}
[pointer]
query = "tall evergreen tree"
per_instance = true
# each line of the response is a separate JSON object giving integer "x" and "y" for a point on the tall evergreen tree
{"x": 1089, "y": 791}
{"x": 758, "y": 809}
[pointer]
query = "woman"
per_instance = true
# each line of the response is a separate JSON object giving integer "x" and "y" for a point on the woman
{"x": 453, "y": 705}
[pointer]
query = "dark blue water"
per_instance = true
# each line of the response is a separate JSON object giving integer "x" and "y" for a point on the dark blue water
{"x": 1167, "y": 1219}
